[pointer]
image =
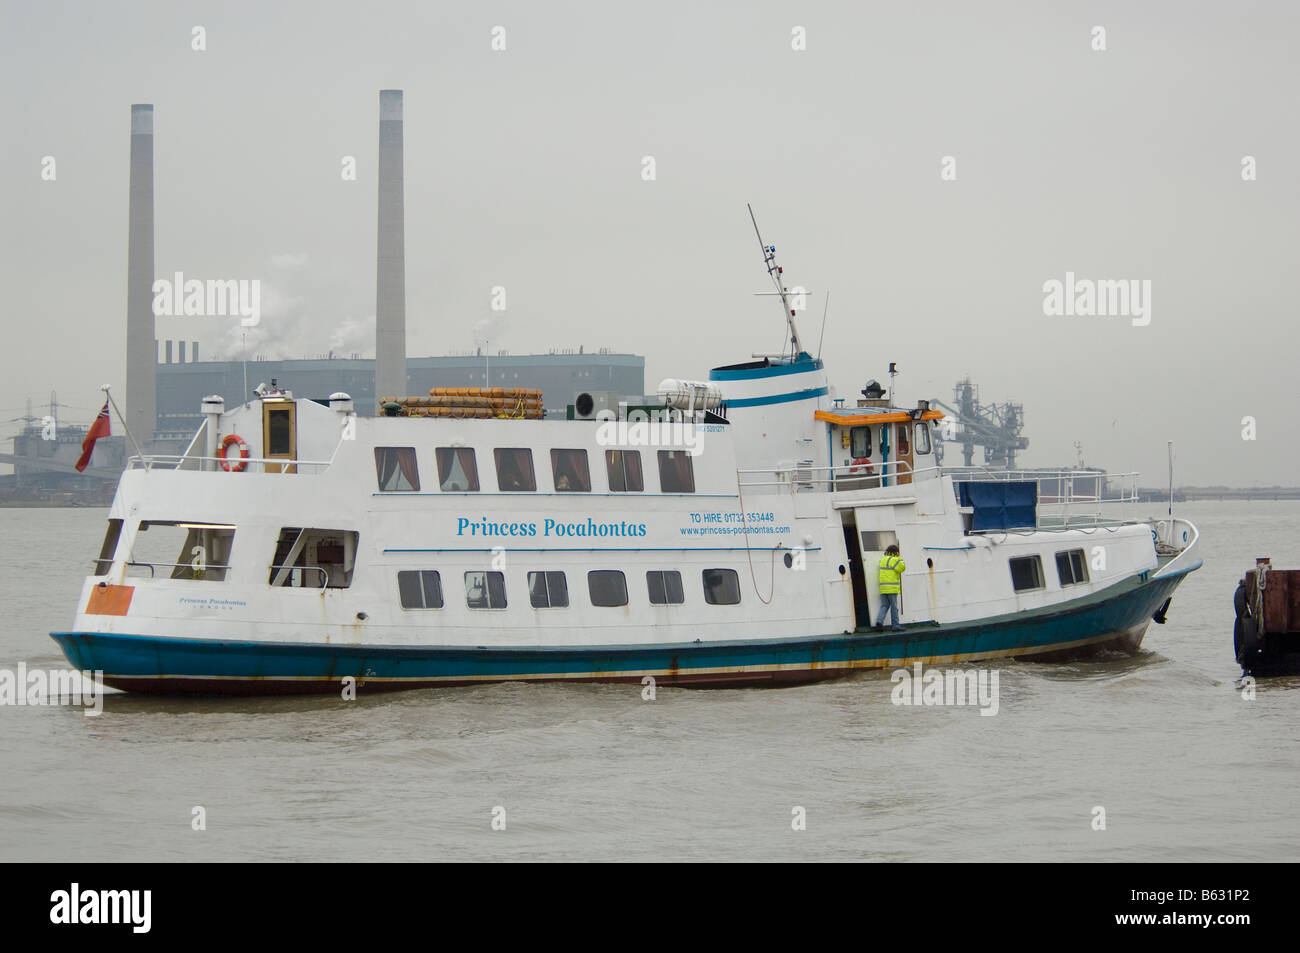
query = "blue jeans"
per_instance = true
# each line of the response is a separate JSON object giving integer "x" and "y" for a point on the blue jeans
{"x": 888, "y": 602}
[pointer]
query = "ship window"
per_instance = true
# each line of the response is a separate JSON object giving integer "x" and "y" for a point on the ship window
{"x": 877, "y": 541}
{"x": 515, "y": 469}
{"x": 109, "y": 547}
{"x": 1071, "y": 567}
{"x": 624, "y": 467}
{"x": 1027, "y": 573}
{"x": 922, "y": 437}
{"x": 485, "y": 590}
{"x": 860, "y": 442}
{"x": 279, "y": 432}
{"x": 721, "y": 587}
{"x": 420, "y": 588}
{"x": 608, "y": 587}
{"x": 314, "y": 558}
{"x": 395, "y": 467}
{"x": 457, "y": 469}
{"x": 165, "y": 549}
{"x": 676, "y": 475}
{"x": 548, "y": 590}
{"x": 569, "y": 467}
{"x": 665, "y": 587}
{"x": 904, "y": 445}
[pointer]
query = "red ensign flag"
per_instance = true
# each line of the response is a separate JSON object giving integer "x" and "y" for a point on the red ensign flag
{"x": 98, "y": 429}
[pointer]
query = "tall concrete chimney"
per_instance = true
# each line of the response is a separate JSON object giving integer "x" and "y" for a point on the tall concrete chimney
{"x": 141, "y": 347}
{"x": 390, "y": 294}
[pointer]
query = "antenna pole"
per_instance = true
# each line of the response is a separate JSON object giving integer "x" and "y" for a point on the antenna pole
{"x": 1171, "y": 478}
{"x": 825, "y": 308}
{"x": 769, "y": 259}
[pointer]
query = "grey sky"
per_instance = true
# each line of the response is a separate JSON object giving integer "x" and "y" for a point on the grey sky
{"x": 523, "y": 169}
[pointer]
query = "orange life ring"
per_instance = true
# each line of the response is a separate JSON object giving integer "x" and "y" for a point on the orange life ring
{"x": 861, "y": 465}
{"x": 233, "y": 466}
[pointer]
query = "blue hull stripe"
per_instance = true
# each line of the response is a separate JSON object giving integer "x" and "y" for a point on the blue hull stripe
{"x": 778, "y": 398}
{"x": 801, "y": 366}
{"x": 134, "y": 660}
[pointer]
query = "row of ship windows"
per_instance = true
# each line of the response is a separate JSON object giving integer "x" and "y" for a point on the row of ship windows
{"x": 1027, "y": 571}
{"x": 422, "y": 588}
{"x": 397, "y": 470}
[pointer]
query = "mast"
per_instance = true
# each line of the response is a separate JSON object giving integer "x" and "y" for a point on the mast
{"x": 774, "y": 271}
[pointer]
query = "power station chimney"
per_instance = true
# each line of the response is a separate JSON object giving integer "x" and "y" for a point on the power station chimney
{"x": 141, "y": 347}
{"x": 390, "y": 295}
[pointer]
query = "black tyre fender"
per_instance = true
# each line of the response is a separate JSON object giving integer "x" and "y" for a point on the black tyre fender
{"x": 1245, "y": 640}
{"x": 1239, "y": 601}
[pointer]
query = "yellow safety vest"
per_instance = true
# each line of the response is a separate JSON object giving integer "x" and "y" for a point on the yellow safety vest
{"x": 891, "y": 574}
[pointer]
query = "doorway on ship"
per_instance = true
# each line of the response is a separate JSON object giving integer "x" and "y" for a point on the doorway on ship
{"x": 857, "y": 572}
{"x": 279, "y": 434}
{"x": 903, "y": 452}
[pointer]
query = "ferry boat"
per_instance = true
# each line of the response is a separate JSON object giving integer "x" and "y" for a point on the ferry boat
{"x": 728, "y": 533}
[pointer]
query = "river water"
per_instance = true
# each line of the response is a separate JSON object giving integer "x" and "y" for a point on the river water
{"x": 1185, "y": 768}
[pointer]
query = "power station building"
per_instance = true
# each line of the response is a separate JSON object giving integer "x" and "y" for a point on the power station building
{"x": 164, "y": 390}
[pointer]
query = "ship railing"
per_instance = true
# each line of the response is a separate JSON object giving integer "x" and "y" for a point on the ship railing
{"x": 1067, "y": 499}
{"x": 288, "y": 576}
{"x": 250, "y": 464}
{"x": 199, "y": 572}
{"x": 798, "y": 479}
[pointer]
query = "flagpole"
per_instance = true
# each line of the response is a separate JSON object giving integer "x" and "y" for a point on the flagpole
{"x": 125, "y": 428}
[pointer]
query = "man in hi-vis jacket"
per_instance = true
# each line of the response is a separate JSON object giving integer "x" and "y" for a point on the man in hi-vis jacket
{"x": 892, "y": 568}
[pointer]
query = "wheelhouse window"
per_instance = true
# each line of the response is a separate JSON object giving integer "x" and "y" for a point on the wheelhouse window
{"x": 548, "y": 590}
{"x": 485, "y": 590}
{"x": 904, "y": 444}
{"x": 721, "y": 587}
{"x": 1071, "y": 567}
{"x": 665, "y": 587}
{"x": 420, "y": 588}
{"x": 922, "y": 437}
{"x": 172, "y": 549}
{"x": 860, "y": 442}
{"x": 396, "y": 469}
{"x": 607, "y": 587}
{"x": 569, "y": 468}
{"x": 457, "y": 469}
{"x": 1027, "y": 573}
{"x": 676, "y": 472}
{"x": 108, "y": 548}
{"x": 514, "y": 469}
{"x": 624, "y": 469}
{"x": 309, "y": 558}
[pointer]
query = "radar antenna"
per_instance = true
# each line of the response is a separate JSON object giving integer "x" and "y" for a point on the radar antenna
{"x": 774, "y": 271}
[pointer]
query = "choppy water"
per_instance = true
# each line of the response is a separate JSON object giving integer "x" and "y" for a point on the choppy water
{"x": 1184, "y": 767}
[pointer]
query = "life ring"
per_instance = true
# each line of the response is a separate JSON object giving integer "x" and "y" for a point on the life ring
{"x": 233, "y": 466}
{"x": 862, "y": 465}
